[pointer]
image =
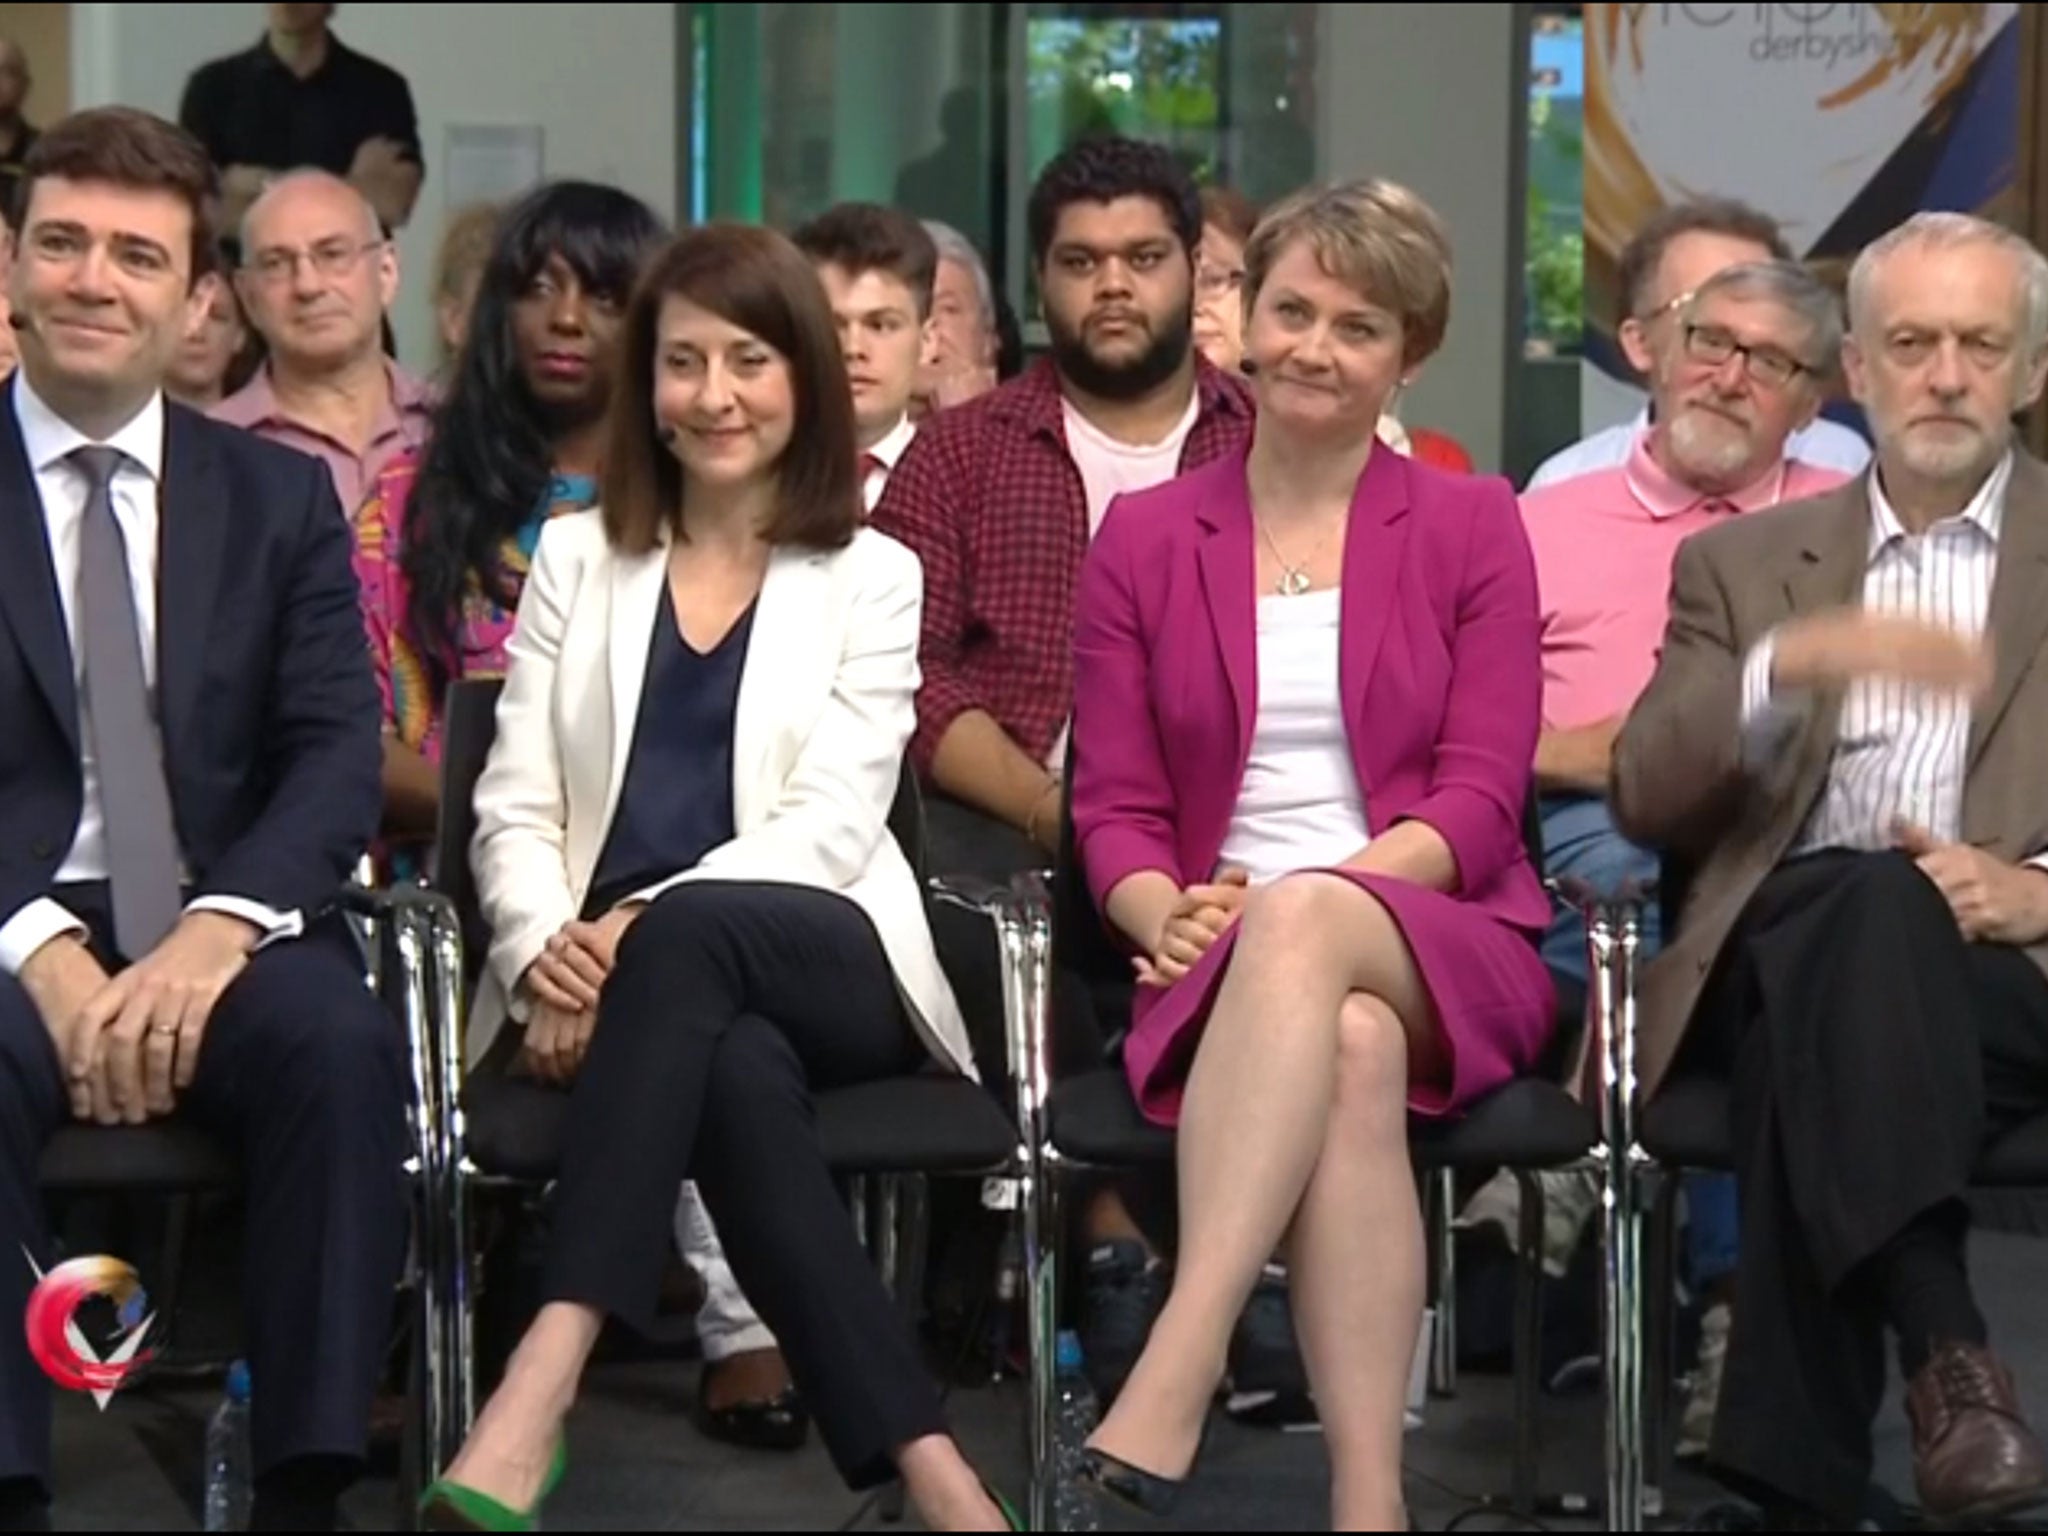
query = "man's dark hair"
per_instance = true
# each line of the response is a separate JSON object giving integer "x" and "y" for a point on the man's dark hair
{"x": 867, "y": 237}
{"x": 124, "y": 147}
{"x": 1103, "y": 169}
{"x": 1644, "y": 253}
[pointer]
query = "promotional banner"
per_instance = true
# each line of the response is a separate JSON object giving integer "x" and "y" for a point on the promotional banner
{"x": 1838, "y": 120}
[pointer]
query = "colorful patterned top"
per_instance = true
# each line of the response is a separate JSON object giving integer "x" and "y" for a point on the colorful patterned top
{"x": 412, "y": 713}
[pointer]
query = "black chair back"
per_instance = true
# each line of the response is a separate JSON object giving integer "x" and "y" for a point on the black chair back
{"x": 469, "y": 723}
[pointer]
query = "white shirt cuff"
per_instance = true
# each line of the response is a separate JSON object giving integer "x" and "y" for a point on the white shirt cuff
{"x": 33, "y": 926}
{"x": 274, "y": 926}
{"x": 1769, "y": 723}
{"x": 2038, "y": 861}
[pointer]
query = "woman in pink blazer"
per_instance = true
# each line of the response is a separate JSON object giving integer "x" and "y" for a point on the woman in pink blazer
{"x": 1306, "y": 708}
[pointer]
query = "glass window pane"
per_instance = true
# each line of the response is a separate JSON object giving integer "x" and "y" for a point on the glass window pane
{"x": 1556, "y": 247}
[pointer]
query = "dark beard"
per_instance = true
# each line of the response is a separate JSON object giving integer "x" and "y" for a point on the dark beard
{"x": 1122, "y": 381}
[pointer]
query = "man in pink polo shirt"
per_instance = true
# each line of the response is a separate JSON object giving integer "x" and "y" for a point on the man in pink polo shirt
{"x": 318, "y": 275}
{"x": 1743, "y": 370}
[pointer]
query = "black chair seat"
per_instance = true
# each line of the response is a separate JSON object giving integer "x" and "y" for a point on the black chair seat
{"x": 2018, "y": 1159}
{"x": 1528, "y": 1124}
{"x": 925, "y": 1124}
{"x": 1093, "y": 1120}
{"x": 1687, "y": 1127}
{"x": 162, "y": 1155}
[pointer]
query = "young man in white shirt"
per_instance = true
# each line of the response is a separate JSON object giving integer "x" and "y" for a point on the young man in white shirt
{"x": 878, "y": 267}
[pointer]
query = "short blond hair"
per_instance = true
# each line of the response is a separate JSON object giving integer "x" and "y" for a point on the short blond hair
{"x": 1375, "y": 235}
{"x": 465, "y": 247}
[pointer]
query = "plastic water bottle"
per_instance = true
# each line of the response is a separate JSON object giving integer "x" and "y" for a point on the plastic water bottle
{"x": 1073, "y": 1422}
{"x": 227, "y": 1456}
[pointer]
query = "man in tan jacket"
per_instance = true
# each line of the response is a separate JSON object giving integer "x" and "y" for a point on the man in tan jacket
{"x": 1846, "y": 745}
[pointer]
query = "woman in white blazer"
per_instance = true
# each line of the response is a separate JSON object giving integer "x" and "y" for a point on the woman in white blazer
{"x": 698, "y": 913}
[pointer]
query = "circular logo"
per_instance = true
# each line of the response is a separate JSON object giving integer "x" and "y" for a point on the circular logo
{"x": 60, "y": 1346}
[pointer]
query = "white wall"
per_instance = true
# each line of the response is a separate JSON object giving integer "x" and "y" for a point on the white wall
{"x": 1424, "y": 94}
{"x": 600, "y": 80}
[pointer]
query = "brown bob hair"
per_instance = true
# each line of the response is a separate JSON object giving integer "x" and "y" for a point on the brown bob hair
{"x": 759, "y": 281}
{"x": 123, "y": 147}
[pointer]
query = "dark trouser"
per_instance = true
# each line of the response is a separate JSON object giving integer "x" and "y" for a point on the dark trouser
{"x": 729, "y": 1003}
{"x": 1872, "y": 1054}
{"x": 302, "y": 1076}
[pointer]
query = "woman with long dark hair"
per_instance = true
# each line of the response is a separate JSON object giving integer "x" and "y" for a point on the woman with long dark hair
{"x": 445, "y": 540}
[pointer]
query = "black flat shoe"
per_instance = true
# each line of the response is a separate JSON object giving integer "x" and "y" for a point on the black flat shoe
{"x": 779, "y": 1423}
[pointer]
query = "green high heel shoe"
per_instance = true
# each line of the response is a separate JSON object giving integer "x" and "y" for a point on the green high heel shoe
{"x": 449, "y": 1506}
{"x": 1008, "y": 1510}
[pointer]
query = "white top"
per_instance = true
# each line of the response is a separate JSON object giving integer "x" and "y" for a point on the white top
{"x": 48, "y": 440}
{"x": 1110, "y": 469}
{"x": 1300, "y": 806}
{"x": 889, "y": 452}
{"x": 1826, "y": 443}
{"x": 1900, "y": 750}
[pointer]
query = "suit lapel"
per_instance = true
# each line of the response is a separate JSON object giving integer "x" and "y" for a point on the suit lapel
{"x": 29, "y": 603}
{"x": 1827, "y": 571}
{"x": 639, "y": 588}
{"x": 1374, "y": 539}
{"x": 790, "y": 618}
{"x": 1228, "y": 560}
{"x": 192, "y": 542}
{"x": 2018, "y": 621}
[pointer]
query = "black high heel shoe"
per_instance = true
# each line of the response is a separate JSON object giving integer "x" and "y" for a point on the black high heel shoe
{"x": 1146, "y": 1492}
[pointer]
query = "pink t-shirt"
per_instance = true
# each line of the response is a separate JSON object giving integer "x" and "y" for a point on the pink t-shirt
{"x": 1604, "y": 544}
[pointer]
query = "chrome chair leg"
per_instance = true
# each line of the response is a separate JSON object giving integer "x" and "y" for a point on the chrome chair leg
{"x": 1528, "y": 1352}
{"x": 1440, "y": 1208}
{"x": 1613, "y": 936}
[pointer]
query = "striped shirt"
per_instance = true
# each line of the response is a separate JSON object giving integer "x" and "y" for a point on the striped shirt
{"x": 1900, "y": 749}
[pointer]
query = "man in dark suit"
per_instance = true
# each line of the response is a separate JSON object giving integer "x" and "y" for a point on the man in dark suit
{"x": 188, "y": 772}
{"x": 1844, "y": 740}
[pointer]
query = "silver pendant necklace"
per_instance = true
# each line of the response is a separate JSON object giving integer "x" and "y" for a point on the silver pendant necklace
{"x": 1294, "y": 579}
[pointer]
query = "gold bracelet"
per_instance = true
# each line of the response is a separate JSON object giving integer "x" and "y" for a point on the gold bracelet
{"x": 1038, "y": 810}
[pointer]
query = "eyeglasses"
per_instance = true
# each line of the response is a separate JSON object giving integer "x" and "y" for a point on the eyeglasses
{"x": 1712, "y": 345}
{"x": 331, "y": 259}
{"x": 1214, "y": 281}
{"x": 1676, "y": 302}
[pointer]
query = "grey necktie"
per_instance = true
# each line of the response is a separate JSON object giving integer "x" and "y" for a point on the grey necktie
{"x": 142, "y": 840}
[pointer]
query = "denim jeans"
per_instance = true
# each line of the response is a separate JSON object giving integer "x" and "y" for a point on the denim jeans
{"x": 1580, "y": 839}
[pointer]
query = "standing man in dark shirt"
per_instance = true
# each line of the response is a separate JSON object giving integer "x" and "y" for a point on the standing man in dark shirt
{"x": 16, "y": 137}
{"x": 299, "y": 98}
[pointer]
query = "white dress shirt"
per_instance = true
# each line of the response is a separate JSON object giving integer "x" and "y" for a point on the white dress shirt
{"x": 48, "y": 440}
{"x": 887, "y": 453}
{"x": 1900, "y": 750}
{"x": 1828, "y": 444}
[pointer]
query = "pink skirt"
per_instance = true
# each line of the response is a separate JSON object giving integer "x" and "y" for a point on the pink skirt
{"x": 1494, "y": 1002}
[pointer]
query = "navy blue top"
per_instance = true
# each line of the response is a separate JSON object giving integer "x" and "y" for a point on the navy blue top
{"x": 676, "y": 803}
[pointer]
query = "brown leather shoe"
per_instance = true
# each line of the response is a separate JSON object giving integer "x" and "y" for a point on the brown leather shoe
{"x": 1974, "y": 1458}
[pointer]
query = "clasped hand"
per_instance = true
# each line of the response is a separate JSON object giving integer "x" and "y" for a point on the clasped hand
{"x": 129, "y": 1044}
{"x": 565, "y": 983}
{"x": 1201, "y": 916}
